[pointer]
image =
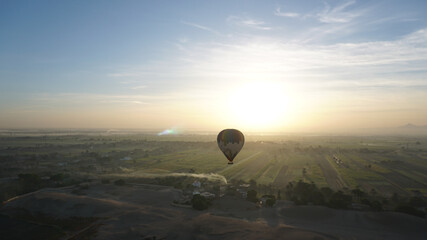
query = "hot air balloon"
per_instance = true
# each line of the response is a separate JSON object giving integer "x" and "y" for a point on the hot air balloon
{"x": 230, "y": 141}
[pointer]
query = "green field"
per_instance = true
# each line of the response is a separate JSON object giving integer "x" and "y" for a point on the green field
{"x": 386, "y": 164}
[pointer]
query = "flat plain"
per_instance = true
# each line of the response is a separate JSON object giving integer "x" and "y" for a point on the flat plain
{"x": 384, "y": 164}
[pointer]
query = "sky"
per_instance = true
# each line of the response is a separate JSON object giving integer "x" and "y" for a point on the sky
{"x": 284, "y": 66}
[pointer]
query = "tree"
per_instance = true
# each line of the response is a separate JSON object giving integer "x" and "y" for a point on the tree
{"x": 339, "y": 200}
{"x": 57, "y": 177}
{"x": 410, "y": 210}
{"x": 417, "y": 202}
{"x": 317, "y": 198}
{"x": 289, "y": 191}
{"x": 357, "y": 193}
{"x": 251, "y": 196}
{"x": 199, "y": 202}
{"x": 395, "y": 198}
{"x": 327, "y": 192}
{"x": 230, "y": 191}
{"x": 376, "y": 206}
{"x": 270, "y": 202}
{"x": 217, "y": 190}
{"x": 303, "y": 192}
{"x": 252, "y": 184}
{"x": 105, "y": 181}
{"x": 365, "y": 201}
{"x": 120, "y": 182}
{"x": 30, "y": 182}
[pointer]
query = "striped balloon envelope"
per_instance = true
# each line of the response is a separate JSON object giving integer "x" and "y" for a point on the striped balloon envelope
{"x": 230, "y": 141}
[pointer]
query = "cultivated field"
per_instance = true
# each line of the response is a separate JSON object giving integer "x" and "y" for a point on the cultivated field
{"x": 385, "y": 165}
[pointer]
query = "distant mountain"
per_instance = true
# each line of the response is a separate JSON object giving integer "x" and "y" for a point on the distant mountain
{"x": 412, "y": 126}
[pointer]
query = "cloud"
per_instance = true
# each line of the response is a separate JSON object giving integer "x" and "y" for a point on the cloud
{"x": 370, "y": 73}
{"x": 338, "y": 14}
{"x": 270, "y": 58}
{"x": 247, "y": 22}
{"x": 124, "y": 102}
{"x": 379, "y": 74}
{"x": 138, "y": 87}
{"x": 286, "y": 14}
{"x": 201, "y": 27}
{"x": 98, "y": 101}
{"x": 120, "y": 75}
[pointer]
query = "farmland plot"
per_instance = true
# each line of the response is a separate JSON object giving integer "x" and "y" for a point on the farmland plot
{"x": 282, "y": 177}
{"x": 315, "y": 174}
{"x": 369, "y": 175}
{"x": 331, "y": 175}
{"x": 403, "y": 181}
{"x": 383, "y": 187}
{"x": 246, "y": 169}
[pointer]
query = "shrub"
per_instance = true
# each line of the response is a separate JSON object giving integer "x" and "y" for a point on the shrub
{"x": 417, "y": 202}
{"x": 270, "y": 202}
{"x": 30, "y": 182}
{"x": 57, "y": 177}
{"x": 105, "y": 181}
{"x": 410, "y": 210}
{"x": 339, "y": 200}
{"x": 376, "y": 206}
{"x": 84, "y": 187}
{"x": 199, "y": 202}
{"x": 251, "y": 196}
{"x": 120, "y": 182}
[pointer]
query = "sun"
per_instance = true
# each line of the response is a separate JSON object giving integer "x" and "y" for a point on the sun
{"x": 259, "y": 106}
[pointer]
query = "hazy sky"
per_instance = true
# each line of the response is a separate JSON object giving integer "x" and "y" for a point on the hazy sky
{"x": 252, "y": 65}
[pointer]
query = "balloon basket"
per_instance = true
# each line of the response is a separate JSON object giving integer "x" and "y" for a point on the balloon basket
{"x": 230, "y": 163}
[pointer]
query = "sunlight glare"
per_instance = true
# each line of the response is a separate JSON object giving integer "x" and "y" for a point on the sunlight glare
{"x": 259, "y": 106}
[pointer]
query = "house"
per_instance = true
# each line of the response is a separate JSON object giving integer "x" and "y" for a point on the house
{"x": 126, "y": 158}
{"x": 263, "y": 201}
{"x": 242, "y": 192}
{"x": 197, "y": 184}
{"x": 359, "y": 206}
{"x": 207, "y": 195}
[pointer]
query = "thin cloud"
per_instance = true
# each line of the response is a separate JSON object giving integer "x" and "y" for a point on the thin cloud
{"x": 277, "y": 59}
{"x": 198, "y": 26}
{"x": 247, "y": 22}
{"x": 125, "y": 102}
{"x": 261, "y": 58}
{"x": 338, "y": 14}
{"x": 138, "y": 87}
{"x": 120, "y": 75}
{"x": 92, "y": 98}
{"x": 286, "y": 14}
{"x": 371, "y": 67}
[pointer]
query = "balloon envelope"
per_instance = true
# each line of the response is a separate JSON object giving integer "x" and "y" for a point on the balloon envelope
{"x": 230, "y": 141}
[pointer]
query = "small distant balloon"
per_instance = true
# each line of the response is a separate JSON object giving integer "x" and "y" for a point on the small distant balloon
{"x": 230, "y": 141}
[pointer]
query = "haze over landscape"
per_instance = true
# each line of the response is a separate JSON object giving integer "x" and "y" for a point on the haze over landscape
{"x": 213, "y": 119}
{"x": 259, "y": 66}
